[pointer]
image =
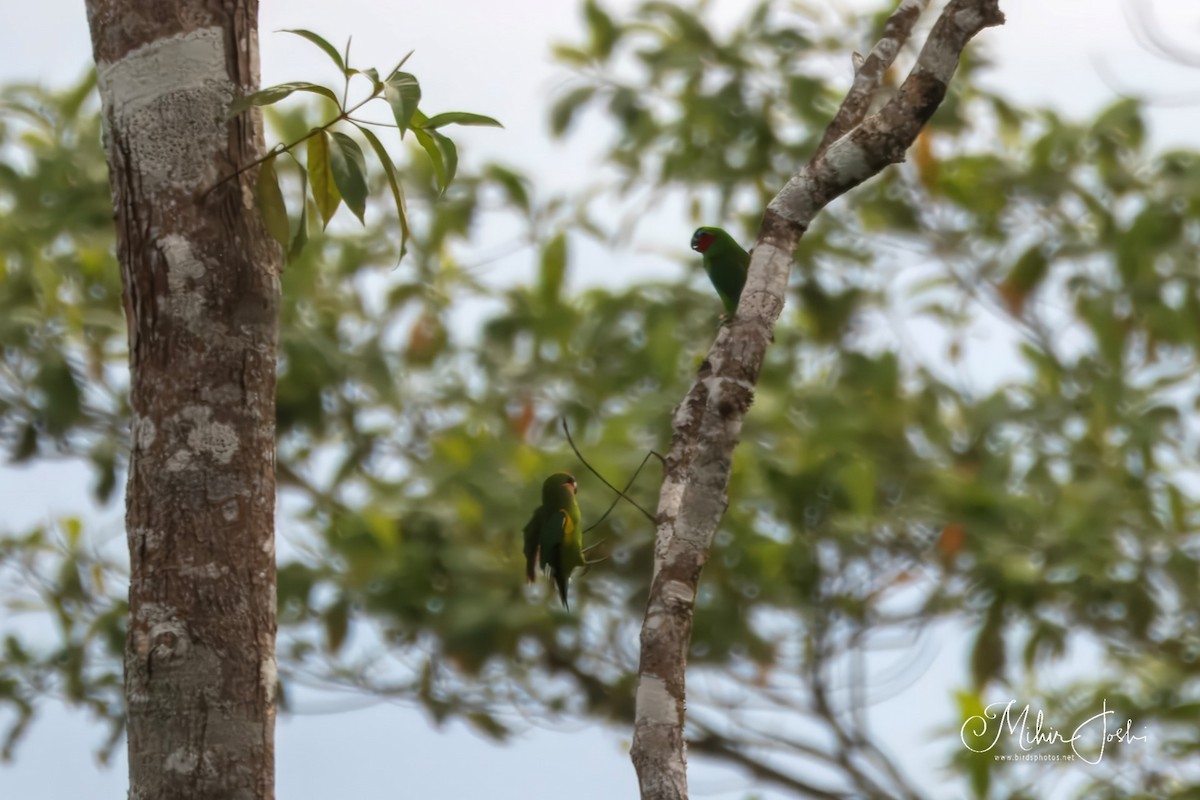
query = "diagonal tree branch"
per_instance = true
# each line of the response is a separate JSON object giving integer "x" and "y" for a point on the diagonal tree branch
{"x": 709, "y": 420}
{"x": 869, "y": 76}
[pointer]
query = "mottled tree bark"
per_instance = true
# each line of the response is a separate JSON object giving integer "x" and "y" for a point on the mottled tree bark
{"x": 201, "y": 294}
{"x": 709, "y": 420}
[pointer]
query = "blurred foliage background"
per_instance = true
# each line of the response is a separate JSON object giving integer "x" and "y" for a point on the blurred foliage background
{"x": 977, "y": 413}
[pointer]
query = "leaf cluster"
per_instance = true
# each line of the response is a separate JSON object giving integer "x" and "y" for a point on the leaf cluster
{"x": 335, "y": 168}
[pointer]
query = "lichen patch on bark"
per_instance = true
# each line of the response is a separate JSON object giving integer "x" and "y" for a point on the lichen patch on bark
{"x": 654, "y": 703}
{"x": 268, "y": 675}
{"x": 184, "y": 272}
{"x": 169, "y": 102}
{"x": 183, "y": 760}
{"x": 209, "y": 436}
{"x": 209, "y": 571}
{"x": 678, "y": 592}
{"x": 143, "y": 432}
{"x": 179, "y": 461}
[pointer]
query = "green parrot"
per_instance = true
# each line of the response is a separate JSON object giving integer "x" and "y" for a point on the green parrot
{"x": 554, "y": 535}
{"x": 725, "y": 262}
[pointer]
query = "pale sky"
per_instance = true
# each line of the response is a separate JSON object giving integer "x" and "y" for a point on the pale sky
{"x": 492, "y": 58}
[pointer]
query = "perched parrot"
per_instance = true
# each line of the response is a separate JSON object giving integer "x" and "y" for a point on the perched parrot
{"x": 554, "y": 535}
{"x": 725, "y": 262}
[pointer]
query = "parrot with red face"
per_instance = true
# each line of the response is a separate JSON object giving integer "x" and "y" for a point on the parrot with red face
{"x": 726, "y": 264}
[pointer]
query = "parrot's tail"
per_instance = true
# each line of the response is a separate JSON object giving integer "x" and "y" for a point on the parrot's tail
{"x": 560, "y": 579}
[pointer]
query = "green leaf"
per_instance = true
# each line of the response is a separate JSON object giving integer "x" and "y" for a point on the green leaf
{"x": 27, "y": 444}
{"x": 1158, "y": 226}
{"x": 301, "y": 237}
{"x": 1178, "y": 507}
{"x": 270, "y": 202}
{"x": 62, "y": 401}
{"x": 295, "y": 586}
{"x": 601, "y": 28}
{"x": 858, "y": 479}
{"x": 337, "y": 624}
{"x": 553, "y": 269}
{"x": 403, "y": 61}
{"x": 1121, "y": 124}
{"x": 104, "y": 460}
{"x": 987, "y": 655}
{"x": 273, "y": 94}
{"x": 320, "y": 177}
{"x": 458, "y": 118}
{"x": 425, "y": 139}
{"x": 349, "y": 172}
{"x": 1047, "y": 641}
{"x": 691, "y": 28}
{"x": 389, "y": 169}
{"x": 402, "y": 93}
{"x": 572, "y": 56}
{"x": 449, "y": 155}
{"x": 489, "y": 726}
{"x": 73, "y": 528}
{"x": 1185, "y": 714}
{"x": 512, "y": 183}
{"x": 1030, "y": 269}
{"x": 1024, "y": 278}
{"x": 371, "y": 74}
{"x": 329, "y": 49}
{"x": 562, "y": 113}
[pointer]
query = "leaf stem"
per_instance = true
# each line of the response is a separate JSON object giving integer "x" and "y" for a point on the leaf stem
{"x": 278, "y": 149}
{"x": 358, "y": 121}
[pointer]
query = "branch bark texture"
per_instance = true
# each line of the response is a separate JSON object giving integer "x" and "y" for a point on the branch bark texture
{"x": 201, "y": 294}
{"x": 707, "y": 424}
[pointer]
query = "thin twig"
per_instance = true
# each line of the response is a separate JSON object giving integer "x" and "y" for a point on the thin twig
{"x": 714, "y": 745}
{"x": 280, "y": 149}
{"x": 647, "y": 514}
{"x": 344, "y": 116}
{"x": 626, "y": 489}
{"x": 358, "y": 121}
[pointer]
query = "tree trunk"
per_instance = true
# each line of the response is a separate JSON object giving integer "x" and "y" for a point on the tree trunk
{"x": 709, "y": 420}
{"x": 201, "y": 293}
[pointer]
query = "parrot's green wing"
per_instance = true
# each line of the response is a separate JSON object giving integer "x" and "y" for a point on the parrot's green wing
{"x": 557, "y": 528}
{"x": 726, "y": 263}
{"x": 728, "y": 278}
{"x": 533, "y": 530}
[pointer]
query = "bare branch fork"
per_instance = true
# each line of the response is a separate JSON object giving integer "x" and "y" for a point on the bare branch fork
{"x": 706, "y": 425}
{"x": 621, "y": 493}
